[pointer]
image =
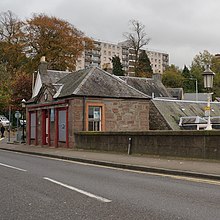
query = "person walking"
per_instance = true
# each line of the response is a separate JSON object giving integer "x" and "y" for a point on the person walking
{"x": 2, "y": 131}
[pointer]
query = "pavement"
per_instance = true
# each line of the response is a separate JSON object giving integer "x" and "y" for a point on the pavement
{"x": 197, "y": 168}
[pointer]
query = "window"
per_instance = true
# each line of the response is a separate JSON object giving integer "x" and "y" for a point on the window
{"x": 95, "y": 117}
{"x": 33, "y": 125}
{"x": 62, "y": 125}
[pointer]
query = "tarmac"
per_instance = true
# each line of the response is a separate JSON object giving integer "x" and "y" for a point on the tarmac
{"x": 196, "y": 168}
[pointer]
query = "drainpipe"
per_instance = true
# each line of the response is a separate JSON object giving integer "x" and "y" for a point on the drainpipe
{"x": 84, "y": 107}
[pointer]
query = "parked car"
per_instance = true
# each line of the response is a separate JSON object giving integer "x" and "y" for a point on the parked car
{"x": 4, "y": 121}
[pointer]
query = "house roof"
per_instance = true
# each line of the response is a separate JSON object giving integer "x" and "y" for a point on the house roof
{"x": 173, "y": 110}
{"x": 194, "y": 96}
{"x": 52, "y": 76}
{"x": 97, "y": 83}
{"x": 148, "y": 86}
{"x": 176, "y": 92}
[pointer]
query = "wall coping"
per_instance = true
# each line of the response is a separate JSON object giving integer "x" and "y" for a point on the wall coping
{"x": 152, "y": 133}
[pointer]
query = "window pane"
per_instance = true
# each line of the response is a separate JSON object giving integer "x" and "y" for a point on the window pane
{"x": 90, "y": 125}
{"x": 90, "y": 112}
{"x": 96, "y": 126}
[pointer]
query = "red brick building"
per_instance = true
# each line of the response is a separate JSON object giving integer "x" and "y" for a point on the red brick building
{"x": 86, "y": 100}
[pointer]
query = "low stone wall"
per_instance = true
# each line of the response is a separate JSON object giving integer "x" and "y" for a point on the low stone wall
{"x": 194, "y": 144}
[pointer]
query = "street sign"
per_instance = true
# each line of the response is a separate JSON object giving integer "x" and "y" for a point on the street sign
{"x": 207, "y": 108}
{"x": 17, "y": 114}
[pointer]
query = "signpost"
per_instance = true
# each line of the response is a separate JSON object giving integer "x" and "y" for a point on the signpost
{"x": 17, "y": 116}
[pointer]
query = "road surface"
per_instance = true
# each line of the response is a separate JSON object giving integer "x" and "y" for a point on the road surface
{"x": 33, "y": 187}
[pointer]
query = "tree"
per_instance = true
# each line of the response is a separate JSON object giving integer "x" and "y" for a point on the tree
{"x": 137, "y": 39}
{"x": 5, "y": 90}
{"x": 56, "y": 39}
{"x": 117, "y": 66}
{"x": 143, "y": 68}
{"x": 199, "y": 63}
{"x": 202, "y": 59}
{"x": 189, "y": 81}
{"x": 215, "y": 67}
{"x": 172, "y": 77}
{"x": 22, "y": 43}
{"x": 21, "y": 89}
{"x": 12, "y": 42}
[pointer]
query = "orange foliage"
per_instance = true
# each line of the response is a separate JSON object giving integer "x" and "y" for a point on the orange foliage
{"x": 56, "y": 39}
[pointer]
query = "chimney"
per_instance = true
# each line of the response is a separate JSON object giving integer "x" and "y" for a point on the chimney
{"x": 157, "y": 76}
{"x": 43, "y": 65}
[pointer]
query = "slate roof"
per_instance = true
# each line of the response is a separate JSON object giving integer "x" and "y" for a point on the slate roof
{"x": 147, "y": 86}
{"x": 176, "y": 92}
{"x": 97, "y": 83}
{"x": 192, "y": 96}
{"x": 52, "y": 76}
{"x": 172, "y": 110}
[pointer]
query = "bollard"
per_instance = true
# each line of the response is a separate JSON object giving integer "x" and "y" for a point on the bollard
{"x": 129, "y": 146}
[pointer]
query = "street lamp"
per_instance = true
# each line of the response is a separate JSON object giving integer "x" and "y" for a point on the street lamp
{"x": 208, "y": 84}
{"x": 23, "y": 102}
{"x": 196, "y": 87}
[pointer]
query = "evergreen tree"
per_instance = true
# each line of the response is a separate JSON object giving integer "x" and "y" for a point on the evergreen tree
{"x": 189, "y": 81}
{"x": 143, "y": 68}
{"x": 117, "y": 66}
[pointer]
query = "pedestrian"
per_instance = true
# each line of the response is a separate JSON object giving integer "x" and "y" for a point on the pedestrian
{"x": 2, "y": 131}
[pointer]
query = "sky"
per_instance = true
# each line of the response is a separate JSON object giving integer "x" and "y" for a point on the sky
{"x": 181, "y": 28}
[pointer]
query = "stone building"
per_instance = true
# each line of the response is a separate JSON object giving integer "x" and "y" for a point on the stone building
{"x": 85, "y": 100}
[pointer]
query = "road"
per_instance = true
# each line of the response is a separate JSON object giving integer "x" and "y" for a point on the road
{"x": 34, "y": 187}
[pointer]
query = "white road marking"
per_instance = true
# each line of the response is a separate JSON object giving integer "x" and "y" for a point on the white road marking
{"x": 16, "y": 168}
{"x": 79, "y": 190}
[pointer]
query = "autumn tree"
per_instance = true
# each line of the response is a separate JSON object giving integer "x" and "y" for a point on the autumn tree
{"x": 56, "y": 39}
{"x": 117, "y": 66}
{"x": 172, "y": 77}
{"x": 136, "y": 39}
{"x": 5, "y": 89}
{"x": 21, "y": 88}
{"x": 22, "y": 43}
{"x": 11, "y": 42}
{"x": 143, "y": 68}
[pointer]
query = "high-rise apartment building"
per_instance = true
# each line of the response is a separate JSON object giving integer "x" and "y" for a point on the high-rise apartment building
{"x": 103, "y": 52}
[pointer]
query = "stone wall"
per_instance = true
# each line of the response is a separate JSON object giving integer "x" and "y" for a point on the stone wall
{"x": 193, "y": 144}
{"x": 156, "y": 120}
{"x": 126, "y": 115}
{"x": 120, "y": 114}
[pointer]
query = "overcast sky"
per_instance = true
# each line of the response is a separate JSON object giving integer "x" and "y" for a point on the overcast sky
{"x": 181, "y": 28}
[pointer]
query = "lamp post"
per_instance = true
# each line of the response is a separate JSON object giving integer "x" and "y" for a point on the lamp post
{"x": 196, "y": 85}
{"x": 208, "y": 84}
{"x": 23, "y": 107}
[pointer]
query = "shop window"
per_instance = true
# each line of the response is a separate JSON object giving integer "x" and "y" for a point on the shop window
{"x": 33, "y": 125}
